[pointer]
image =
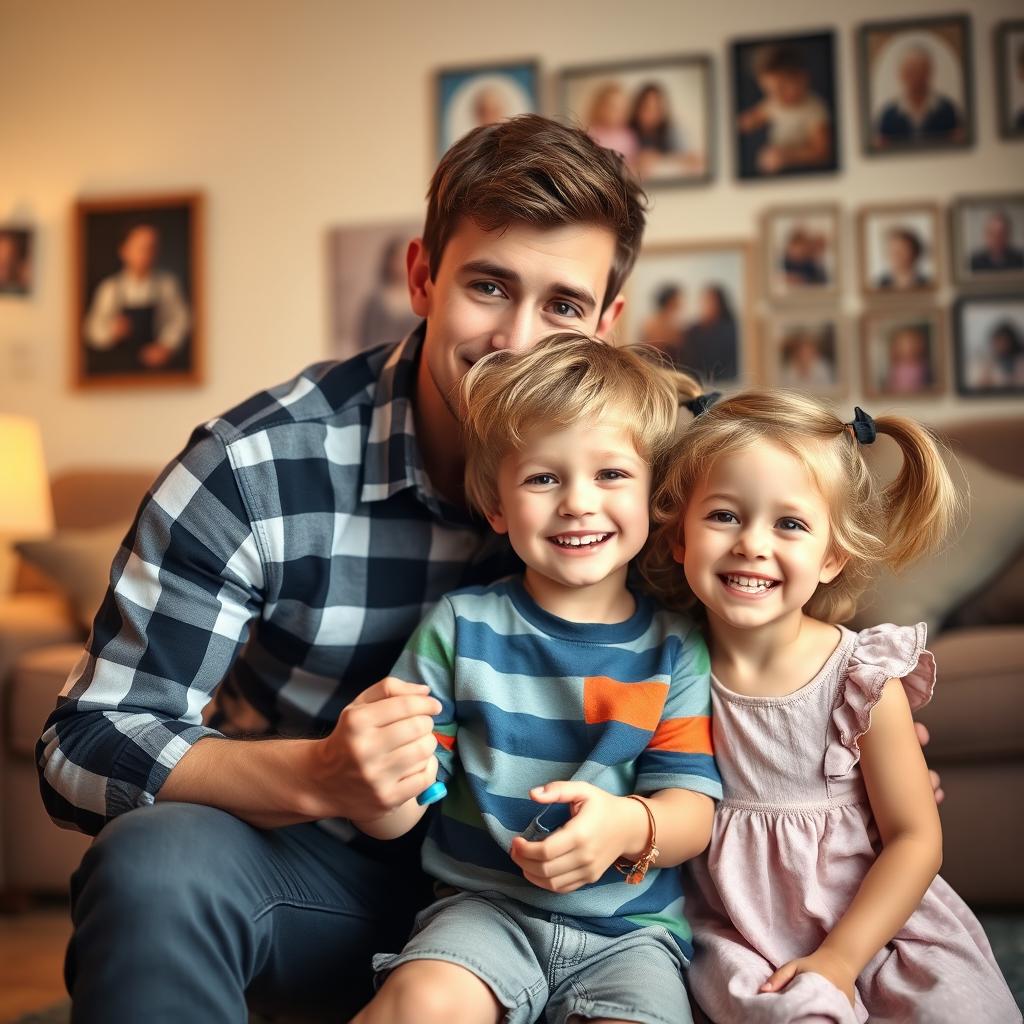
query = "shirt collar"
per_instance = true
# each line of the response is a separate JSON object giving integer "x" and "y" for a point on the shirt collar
{"x": 392, "y": 461}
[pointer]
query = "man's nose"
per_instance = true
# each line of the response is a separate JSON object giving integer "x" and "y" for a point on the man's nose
{"x": 516, "y": 332}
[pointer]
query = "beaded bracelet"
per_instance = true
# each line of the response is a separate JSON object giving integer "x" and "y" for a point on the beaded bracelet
{"x": 635, "y": 872}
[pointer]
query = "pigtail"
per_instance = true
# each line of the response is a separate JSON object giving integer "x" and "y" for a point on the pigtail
{"x": 922, "y": 503}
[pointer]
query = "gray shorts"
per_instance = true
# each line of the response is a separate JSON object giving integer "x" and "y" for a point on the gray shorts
{"x": 532, "y": 960}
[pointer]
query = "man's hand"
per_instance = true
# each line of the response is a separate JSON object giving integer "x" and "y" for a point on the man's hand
{"x": 923, "y": 737}
{"x": 380, "y": 753}
{"x": 602, "y": 829}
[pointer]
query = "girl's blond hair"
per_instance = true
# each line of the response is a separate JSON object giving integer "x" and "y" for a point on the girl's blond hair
{"x": 871, "y": 525}
{"x": 563, "y": 380}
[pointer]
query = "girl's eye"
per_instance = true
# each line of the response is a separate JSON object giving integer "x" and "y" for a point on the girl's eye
{"x": 540, "y": 480}
{"x": 791, "y": 525}
{"x": 721, "y": 516}
{"x": 565, "y": 309}
{"x": 612, "y": 474}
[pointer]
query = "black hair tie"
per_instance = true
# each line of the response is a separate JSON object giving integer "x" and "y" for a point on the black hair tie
{"x": 702, "y": 402}
{"x": 863, "y": 426}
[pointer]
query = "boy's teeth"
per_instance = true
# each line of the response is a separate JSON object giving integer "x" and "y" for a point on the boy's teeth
{"x": 576, "y": 542}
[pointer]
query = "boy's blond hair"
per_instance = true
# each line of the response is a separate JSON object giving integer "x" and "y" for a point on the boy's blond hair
{"x": 563, "y": 380}
{"x": 870, "y": 525}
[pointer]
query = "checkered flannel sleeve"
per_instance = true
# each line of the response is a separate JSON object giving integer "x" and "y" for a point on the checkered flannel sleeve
{"x": 185, "y": 585}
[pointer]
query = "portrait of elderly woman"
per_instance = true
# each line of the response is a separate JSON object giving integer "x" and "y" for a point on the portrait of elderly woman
{"x": 137, "y": 321}
{"x": 916, "y": 85}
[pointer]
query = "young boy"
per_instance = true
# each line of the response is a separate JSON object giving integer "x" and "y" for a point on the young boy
{"x": 564, "y": 695}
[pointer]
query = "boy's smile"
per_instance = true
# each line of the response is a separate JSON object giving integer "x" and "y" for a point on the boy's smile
{"x": 574, "y": 503}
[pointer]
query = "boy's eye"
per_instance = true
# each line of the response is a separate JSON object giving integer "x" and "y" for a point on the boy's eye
{"x": 565, "y": 309}
{"x": 791, "y": 525}
{"x": 541, "y": 480}
{"x": 722, "y": 516}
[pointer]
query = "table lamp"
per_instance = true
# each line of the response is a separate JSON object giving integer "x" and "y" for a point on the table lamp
{"x": 26, "y": 510}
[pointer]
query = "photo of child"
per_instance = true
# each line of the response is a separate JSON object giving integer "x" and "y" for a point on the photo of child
{"x": 657, "y": 114}
{"x": 899, "y": 248}
{"x": 804, "y": 353}
{"x": 903, "y": 354}
{"x": 801, "y": 246}
{"x": 785, "y": 113}
{"x": 989, "y": 345}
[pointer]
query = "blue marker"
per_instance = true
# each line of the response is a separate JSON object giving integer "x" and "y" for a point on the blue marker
{"x": 434, "y": 792}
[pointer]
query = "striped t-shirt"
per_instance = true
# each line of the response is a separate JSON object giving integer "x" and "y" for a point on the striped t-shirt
{"x": 529, "y": 698}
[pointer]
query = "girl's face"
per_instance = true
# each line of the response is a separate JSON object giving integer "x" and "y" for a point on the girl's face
{"x": 755, "y": 538}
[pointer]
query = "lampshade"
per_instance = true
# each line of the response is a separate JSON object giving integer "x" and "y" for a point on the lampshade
{"x": 25, "y": 506}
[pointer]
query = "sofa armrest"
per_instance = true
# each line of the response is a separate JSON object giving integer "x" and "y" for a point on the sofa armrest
{"x": 28, "y": 621}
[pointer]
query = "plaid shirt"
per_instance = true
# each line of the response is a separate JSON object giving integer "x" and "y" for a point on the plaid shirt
{"x": 281, "y": 562}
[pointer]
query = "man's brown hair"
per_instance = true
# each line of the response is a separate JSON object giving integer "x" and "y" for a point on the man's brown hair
{"x": 533, "y": 170}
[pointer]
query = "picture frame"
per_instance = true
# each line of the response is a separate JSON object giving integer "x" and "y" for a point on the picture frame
{"x": 807, "y": 352}
{"x": 691, "y": 301}
{"x": 137, "y": 292}
{"x": 987, "y": 240}
{"x": 988, "y": 345}
{"x": 468, "y": 96}
{"x": 801, "y": 250}
{"x": 1008, "y": 40}
{"x": 899, "y": 249}
{"x": 916, "y": 85}
{"x": 17, "y": 252}
{"x": 657, "y": 112}
{"x": 785, "y": 107}
{"x": 368, "y": 294}
{"x": 903, "y": 353}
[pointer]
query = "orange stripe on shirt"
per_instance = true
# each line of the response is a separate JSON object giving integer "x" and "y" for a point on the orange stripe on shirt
{"x": 609, "y": 700}
{"x": 683, "y": 735}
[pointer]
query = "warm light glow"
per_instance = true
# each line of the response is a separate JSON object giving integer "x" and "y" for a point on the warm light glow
{"x": 25, "y": 506}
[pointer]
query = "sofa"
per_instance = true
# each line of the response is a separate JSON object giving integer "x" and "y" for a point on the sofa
{"x": 975, "y": 720}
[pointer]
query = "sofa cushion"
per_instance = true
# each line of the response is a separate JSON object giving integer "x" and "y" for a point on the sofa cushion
{"x": 35, "y": 684}
{"x": 1000, "y": 602}
{"x": 929, "y": 590}
{"x": 978, "y": 708}
{"x": 78, "y": 561}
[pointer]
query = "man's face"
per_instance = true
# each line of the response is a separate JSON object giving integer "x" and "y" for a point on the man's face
{"x": 916, "y": 73}
{"x": 507, "y": 289}
{"x": 997, "y": 233}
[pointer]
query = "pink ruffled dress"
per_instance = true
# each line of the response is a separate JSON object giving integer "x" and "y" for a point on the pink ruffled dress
{"x": 793, "y": 839}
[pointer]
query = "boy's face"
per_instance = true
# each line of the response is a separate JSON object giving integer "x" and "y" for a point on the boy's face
{"x": 574, "y": 504}
{"x": 785, "y": 87}
{"x": 507, "y": 289}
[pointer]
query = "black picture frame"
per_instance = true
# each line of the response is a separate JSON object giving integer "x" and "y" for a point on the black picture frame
{"x": 970, "y": 369}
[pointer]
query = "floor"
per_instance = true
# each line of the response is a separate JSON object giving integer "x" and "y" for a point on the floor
{"x": 32, "y": 953}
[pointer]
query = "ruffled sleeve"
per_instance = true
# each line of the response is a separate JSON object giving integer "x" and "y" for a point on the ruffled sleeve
{"x": 879, "y": 654}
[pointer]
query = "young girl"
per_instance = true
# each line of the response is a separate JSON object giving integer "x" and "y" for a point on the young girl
{"x": 818, "y": 897}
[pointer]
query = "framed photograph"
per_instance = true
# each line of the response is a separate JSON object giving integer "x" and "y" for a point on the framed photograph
{"x": 138, "y": 303}
{"x": 899, "y": 249}
{"x": 784, "y": 96}
{"x": 690, "y": 302}
{"x": 1009, "y": 64}
{"x": 988, "y": 240}
{"x": 988, "y": 346}
{"x": 658, "y": 113}
{"x": 916, "y": 85}
{"x": 903, "y": 353}
{"x": 15, "y": 260}
{"x": 800, "y": 246}
{"x": 806, "y": 352}
{"x": 468, "y": 97}
{"x": 367, "y": 289}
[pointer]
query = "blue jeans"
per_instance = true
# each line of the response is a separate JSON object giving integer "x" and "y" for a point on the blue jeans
{"x": 184, "y": 912}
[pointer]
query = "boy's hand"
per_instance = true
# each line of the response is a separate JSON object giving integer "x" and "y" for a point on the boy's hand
{"x": 603, "y": 827}
{"x": 822, "y": 962}
{"x": 380, "y": 753}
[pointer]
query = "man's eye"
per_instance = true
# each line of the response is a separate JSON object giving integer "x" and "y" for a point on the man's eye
{"x": 488, "y": 288}
{"x": 722, "y": 516}
{"x": 791, "y": 524}
{"x": 540, "y": 480}
{"x": 565, "y": 309}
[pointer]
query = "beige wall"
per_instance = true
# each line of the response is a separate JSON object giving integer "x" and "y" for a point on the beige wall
{"x": 293, "y": 117}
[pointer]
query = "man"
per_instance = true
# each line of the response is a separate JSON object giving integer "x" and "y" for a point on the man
{"x": 998, "y": 252}
{"x": 280, "y": 563}
{"x": 919, "y": 114}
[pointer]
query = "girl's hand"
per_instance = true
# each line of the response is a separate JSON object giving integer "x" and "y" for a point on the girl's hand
{"x": 603, "y": 827}
{"x": 822, "y": 962}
